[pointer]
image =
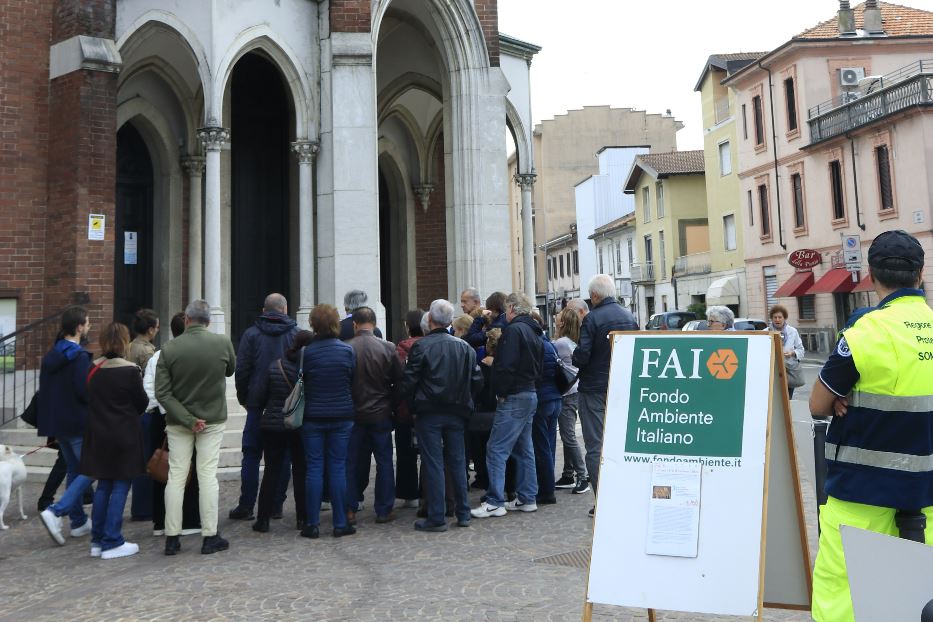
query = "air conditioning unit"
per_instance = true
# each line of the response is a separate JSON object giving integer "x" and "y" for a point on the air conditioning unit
{"x": 850, "y": 76}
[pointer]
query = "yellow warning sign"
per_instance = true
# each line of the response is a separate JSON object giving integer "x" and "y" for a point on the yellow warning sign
{"x": 96, "y": 225}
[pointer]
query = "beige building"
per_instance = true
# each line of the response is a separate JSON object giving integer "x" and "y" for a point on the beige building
{"x": 565, "y": 152}
{"x": 671, "y": 226}
{"x": 833, "y": 135}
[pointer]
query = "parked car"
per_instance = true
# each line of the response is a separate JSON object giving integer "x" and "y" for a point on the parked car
{"x": 696, "y": 325}
{"x": 744, "y": 323}
{"x": 670, "y": 320}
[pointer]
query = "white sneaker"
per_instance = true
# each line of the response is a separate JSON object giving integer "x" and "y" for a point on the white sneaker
{"x": 53, "y": 524}
{"x": 95, "y": 550}
{"x": 124, "y": 550}
{"x": 518, "y": 506}
{"x": 410, "y": 503}
{"x": 190, "y": 532}
{"x": 485, "y": 510}
{"x": 83, "y": 530}
{"x": 158, "y": 533}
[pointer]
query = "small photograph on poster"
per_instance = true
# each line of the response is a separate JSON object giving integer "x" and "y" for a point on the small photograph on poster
{"x": 674, "y": 509}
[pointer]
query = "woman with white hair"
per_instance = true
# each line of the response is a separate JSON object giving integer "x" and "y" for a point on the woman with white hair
{"x": 720, "y": 318}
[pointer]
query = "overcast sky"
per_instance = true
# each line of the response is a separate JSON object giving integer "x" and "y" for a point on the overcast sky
{"x": 647, "y": 55}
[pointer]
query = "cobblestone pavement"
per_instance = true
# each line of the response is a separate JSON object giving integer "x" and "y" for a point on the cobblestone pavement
{"x": 486, "y": 572}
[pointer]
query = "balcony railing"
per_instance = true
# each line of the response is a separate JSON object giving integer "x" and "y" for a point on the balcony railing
{"x": 697, "y": 263}
{"x": 721, "y": 108}
{"x": 908, "y": 87}
{"x": 643, "y": 272}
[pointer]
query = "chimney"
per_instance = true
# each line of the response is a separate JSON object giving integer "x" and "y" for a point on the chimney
{"x": 872, "y": 18}
{"x": 846, "y": 19}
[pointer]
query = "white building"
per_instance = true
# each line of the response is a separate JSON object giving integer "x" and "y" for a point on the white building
{"x": 615, "y": 255}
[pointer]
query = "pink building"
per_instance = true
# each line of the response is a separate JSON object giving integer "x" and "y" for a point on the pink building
{"x": 834, "y": 139}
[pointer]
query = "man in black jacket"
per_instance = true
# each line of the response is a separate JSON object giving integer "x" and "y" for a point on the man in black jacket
{"x": 441, "y": 377}
{"x": 353, "y": 300}
{"x": 592, "y": 359}
{"x": 516, "y": 368}
{"x": 262, "y": 344}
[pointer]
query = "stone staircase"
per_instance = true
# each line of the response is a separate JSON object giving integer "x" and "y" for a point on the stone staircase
{"x": 22, "y": 439}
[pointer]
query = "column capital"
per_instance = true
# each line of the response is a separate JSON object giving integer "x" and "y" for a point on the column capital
{"x": 193, "y": 165}
{"x": 526, "y": 180}
{"x": 306, "y": 150}
{"x": 214, "y": 137}
{"x": 423, "y": 192}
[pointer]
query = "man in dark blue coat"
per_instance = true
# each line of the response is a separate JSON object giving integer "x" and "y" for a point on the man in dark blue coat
{"x": 262, "y": 344}
{"x": 62, "y": 414}
{"x": 592, "y": 359}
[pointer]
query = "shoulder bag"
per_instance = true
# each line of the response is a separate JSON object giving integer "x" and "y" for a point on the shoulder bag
{"x": 794, "y": 371}
{"x": 157, "y": 467}
{"x": 294, "y": 406}
{"x": 564, "y": 377}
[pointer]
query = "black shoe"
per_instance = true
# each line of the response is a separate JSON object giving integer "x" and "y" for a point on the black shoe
{"x": 583, "y": 485}
{"x": 261, "y": 525}
{"x": 172, "y": 545}
{"x": 546, "y": 500}
{"x": 214, "y": 544}
{"x": 478, "y": 485}
{"x": 277, "y": 514}
{"x": 463, "y": 522}
{"x": 565, "y": 481}
{"x": 311, "y": 531}
{"x": 424, "y": 525}
{"x": 349, "y": 530}
{"x": 300, "y": 524}
{"x": 241, "y": 513}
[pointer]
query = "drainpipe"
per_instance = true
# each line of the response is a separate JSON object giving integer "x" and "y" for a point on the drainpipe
{"x": 858, "y": 211}
{"x": 777, "y": 185}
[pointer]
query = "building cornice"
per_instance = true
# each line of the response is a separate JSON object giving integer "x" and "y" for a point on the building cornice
{"x": 517, "y": 48}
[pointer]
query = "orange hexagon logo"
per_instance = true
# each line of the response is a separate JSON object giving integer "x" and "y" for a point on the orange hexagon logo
{"x": 722, "y": 364}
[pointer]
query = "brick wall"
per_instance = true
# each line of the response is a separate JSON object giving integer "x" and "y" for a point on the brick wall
{"x": 94, "y": 18}
{"x": 350, "y": 15}
{"x": 24, "y": 81}
{"x": 488, "y": 13}
{"x": 431, "y": 239}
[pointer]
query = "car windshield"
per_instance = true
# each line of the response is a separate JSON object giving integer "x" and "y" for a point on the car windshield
{"x": 677, "y": 320}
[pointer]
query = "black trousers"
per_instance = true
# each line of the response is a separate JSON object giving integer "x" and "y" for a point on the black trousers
{"x": 190, "y": 512}
{"x": 274, "y": 446}
{"x": 478, "y": 440}
{"x": 406, "y": 464}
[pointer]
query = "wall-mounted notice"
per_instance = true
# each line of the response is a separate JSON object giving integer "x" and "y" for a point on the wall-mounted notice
{"x": 95, "y": 226}
{"x": 130, "y": 247}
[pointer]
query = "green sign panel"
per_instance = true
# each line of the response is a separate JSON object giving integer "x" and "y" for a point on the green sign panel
{"x": 688, "y": 397}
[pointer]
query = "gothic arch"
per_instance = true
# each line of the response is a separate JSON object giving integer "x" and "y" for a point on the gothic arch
{"x": 520, "y": 135}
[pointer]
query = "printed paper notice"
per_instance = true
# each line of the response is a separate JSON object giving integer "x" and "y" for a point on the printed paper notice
{"x": 95, "y": 226}
{"x": 130, "y": 247}
{"x": 674, "y": 509}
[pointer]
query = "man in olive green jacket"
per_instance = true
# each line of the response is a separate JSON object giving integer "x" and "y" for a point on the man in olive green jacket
{"x": 191, "y": 386}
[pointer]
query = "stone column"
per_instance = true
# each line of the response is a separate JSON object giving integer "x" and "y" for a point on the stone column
{"x": 526, "y": 182}
{"x": 307, "y": 151}
{"x": 194, "y": 167}
{"x": 213, "y": 138}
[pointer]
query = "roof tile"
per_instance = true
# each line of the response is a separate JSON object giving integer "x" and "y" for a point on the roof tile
{"x": 675, "y": 162}
{"x": 897, "y": 20}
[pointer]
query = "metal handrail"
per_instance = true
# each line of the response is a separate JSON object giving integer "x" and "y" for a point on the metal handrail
{"x": 908, "y": 71}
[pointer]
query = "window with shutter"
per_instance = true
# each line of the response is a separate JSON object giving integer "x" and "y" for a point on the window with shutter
{"x": 883, "y": 160}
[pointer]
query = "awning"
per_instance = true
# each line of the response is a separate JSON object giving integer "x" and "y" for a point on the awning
{"x": 864, "y": 285}
{"x": 836, "y": 281}
{"x": 796, "y": 285}
{"x": 723, "y": 291}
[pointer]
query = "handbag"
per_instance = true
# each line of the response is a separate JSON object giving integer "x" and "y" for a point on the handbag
{"x": 31, "y": 414}
{"x": 294, "y": 406}
{"x": 157, "y": 467}
{"x": 565, "y": 376}
{"x": 794, "y": 372}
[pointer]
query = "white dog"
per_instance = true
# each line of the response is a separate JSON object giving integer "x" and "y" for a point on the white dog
{"x": 12, "y": 477}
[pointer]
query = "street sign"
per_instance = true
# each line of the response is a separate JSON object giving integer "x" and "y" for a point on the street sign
{"x": 852, "y": 252}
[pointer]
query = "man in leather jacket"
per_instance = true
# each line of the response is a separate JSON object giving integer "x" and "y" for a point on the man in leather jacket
{"x": 441, "y": 377}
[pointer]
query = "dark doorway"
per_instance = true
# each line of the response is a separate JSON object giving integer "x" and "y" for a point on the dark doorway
{"x": 132, "y": 271}
{"x": 260, "y": 199}
{"x": 388, "y": 279}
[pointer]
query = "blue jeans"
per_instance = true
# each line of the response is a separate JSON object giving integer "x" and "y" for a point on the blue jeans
{"x": 107, "y": 515}
{"x": 378, "y": 439}
{"x": 76, "y": 484}
{"x": 326, "y": 441}
{"x": 252, "y": 454}
{"x": 440, "y": 438}
{"x": 544, "y": 439}
{"x": 511, "y": 435}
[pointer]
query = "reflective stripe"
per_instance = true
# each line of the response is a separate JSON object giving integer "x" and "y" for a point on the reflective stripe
{"x": 892, "y": 403}
{"x": 909, "y": 463}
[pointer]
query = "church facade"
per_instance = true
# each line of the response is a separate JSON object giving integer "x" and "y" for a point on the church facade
{"x": 157, "y": 151}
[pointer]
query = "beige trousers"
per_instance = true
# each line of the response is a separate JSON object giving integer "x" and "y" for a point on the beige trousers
{"x": 181, "y": 445}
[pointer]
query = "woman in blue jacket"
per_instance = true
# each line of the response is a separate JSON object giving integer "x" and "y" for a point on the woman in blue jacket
{"x": 544, "y": 424}
{"x": 328, "y": 374}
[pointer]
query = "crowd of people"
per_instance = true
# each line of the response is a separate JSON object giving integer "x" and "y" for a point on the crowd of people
{"x": 482, "y": 391}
